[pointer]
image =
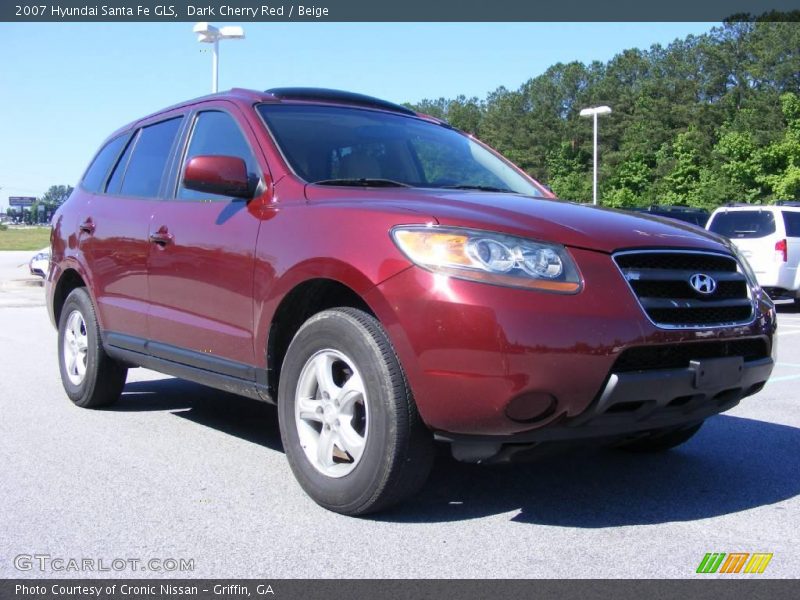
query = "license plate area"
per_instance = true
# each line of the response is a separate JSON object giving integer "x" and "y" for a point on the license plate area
{"x": 717, "y": 372}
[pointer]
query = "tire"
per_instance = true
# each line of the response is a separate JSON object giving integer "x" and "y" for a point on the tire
{"x": 349, "y": 424}
{"x": 90, "y": 377}
{"x": 661, "y": 440}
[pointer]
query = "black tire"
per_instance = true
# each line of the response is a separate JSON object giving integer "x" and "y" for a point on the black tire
{"x": 104, "y": 378}
{"x": 398, "y": 451}
{"x": 661, "y": 440}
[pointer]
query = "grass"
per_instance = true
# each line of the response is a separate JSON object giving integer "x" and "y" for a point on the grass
{"x": 28, "y": 238}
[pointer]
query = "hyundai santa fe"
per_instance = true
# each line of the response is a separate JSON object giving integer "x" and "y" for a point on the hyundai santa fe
{"x": 390, "y": 282}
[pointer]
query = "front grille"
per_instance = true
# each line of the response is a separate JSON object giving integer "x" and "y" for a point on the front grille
{"x": 678, "y": 356}
{"x": 661, "y": 282}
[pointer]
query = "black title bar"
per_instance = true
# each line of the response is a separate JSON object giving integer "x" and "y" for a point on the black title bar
{"x": 405, "y": 10}
{"x": 398, "y": 589}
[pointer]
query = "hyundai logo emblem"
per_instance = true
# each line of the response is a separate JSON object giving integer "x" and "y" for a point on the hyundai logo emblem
{"x": 703, "y": 284}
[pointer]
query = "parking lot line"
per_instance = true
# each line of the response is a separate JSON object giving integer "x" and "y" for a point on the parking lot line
{"x": 782, "y": 378}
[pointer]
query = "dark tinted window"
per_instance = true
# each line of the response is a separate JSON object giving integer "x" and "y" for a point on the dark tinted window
{"x": 217, "y": 134}
{"x": 792, "y": 221}
{"x": 96, "y": 173}
{"x": 738, "y": 224}
{"x": 146, "y": 167}
{"x": 115, "y": 181}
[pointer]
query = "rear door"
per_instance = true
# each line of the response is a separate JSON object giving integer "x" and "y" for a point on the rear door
{"x": 201, "y": 263}
{"x": 114, "y": 228}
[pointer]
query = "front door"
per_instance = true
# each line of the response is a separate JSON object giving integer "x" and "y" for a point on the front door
{"x": 201, "y": 265}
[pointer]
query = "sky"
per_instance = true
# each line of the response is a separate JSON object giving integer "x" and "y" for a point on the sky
{"x": 65, "y": 87}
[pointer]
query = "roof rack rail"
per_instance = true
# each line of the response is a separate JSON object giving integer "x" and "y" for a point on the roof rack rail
{"x": 740, "y": 204}
{"x": 787, "y": 203}
{"x": 324, "y": 94}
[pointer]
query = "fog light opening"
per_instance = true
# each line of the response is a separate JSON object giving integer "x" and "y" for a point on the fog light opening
{"x": 531, "y": 406}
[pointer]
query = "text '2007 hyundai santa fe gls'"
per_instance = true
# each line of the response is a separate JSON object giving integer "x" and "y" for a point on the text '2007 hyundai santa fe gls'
{"x": 389, "y": 281}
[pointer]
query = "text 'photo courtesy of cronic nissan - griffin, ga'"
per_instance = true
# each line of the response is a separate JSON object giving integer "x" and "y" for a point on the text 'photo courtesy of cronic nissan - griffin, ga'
{"x": 394, "y": 285}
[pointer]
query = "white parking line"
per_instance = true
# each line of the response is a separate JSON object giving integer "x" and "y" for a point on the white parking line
{"x": 782, "y": 378}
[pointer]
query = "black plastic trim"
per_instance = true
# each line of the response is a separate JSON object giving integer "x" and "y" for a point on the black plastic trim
{"x": 329, "y": 95}
{"x": 213, "y": 371}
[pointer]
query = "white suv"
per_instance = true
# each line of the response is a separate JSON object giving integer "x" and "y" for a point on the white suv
{"x": 769, "y": 237}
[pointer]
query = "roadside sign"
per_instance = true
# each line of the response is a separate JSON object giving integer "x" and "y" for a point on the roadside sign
{"x": 20, "y": 201}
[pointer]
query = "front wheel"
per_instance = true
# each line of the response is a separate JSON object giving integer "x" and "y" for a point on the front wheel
{"x": 348, "y": 421}
{"x": 91, "y": 378}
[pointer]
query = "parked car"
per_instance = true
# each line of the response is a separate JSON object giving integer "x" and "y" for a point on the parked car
{"x": 687, "y": 214}
{"x": 39, "y": 263}
{"x": 769, "y": 238}
{"x": 390, "y": 281}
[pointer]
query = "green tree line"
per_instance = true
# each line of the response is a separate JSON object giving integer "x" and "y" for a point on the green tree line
{"x": 705, "y": 120}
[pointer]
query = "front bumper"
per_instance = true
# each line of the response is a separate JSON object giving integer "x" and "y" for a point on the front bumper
{"x": 637, "y": 402}
{"x": 472, "y": 351}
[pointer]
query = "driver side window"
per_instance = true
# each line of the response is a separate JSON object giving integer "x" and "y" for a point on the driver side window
{"x": 216, "y": 133}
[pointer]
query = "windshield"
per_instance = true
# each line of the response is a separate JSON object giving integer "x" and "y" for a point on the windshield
{"x": 740, "y": 224}
{"x": 334, "y": 145}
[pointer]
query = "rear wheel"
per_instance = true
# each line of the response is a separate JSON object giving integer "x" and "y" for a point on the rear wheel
{"x": 349, "y": 424}
{"x": 90, "y": 377}
{"x": 661, "y": 440}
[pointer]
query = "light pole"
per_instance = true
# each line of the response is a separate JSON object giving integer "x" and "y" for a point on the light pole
{"x": 208, "y": 34}
{"x": 594, "y": 112}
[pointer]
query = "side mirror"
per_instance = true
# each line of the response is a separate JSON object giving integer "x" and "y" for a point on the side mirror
{"x": 222, "y": 175}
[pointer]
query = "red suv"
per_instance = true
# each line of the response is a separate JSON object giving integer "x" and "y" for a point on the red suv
{"x": 390, "y": 281}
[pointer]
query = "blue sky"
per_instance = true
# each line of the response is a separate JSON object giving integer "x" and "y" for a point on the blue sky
{"x": 65, "y": 87}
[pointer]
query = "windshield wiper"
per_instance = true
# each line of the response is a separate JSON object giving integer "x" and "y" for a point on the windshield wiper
{"x": 363, "y": 181}
{"x": 480, "y": 188}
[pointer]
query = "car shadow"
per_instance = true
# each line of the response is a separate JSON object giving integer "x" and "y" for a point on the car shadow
{"x": 732, "y": 464}
{"x": 250, "y": 420}
{"x": 787, "y": 308}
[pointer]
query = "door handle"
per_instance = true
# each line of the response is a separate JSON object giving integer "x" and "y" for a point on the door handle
{"x": 162, "y": 237}
{"x": 87, "y": 226}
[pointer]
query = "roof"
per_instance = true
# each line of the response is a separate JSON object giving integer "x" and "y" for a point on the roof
{"x": 303, "y": 94}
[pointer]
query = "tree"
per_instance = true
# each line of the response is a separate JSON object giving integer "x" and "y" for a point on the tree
{"x": 701, "y": 121}
{"x": 56, "y": 195}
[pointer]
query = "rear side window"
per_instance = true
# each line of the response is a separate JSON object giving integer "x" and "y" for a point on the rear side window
{"x": 150, "y": 153}
{"x": 741, "y": 224}
{"x": 217, "y": 134}
{"x": 115, "y": 181}
{"x": 96, "y": 173}
{"x": 792, "y": 221}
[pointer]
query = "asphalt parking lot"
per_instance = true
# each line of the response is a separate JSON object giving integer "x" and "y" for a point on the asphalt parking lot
{"x": 179, "y": 471}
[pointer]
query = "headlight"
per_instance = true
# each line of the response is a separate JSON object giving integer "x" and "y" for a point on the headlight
{"x": 489, "y": 257}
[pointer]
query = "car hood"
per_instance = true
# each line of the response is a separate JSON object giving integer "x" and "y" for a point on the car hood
{"x": 568, "y": 223}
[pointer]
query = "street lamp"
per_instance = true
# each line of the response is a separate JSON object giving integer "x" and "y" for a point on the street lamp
{"x": 208, "y": 34}
{"x": 594, "y": 112}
